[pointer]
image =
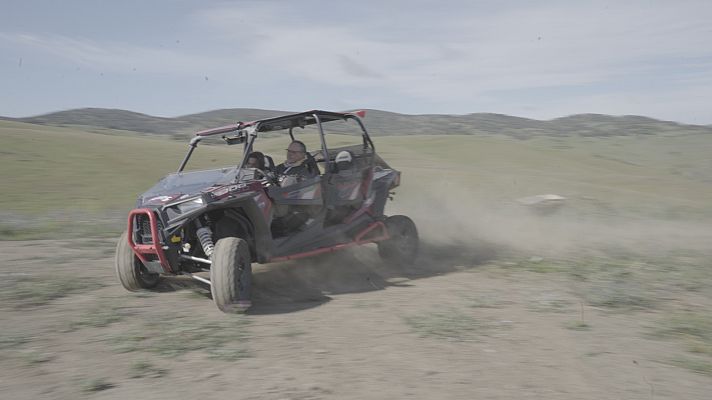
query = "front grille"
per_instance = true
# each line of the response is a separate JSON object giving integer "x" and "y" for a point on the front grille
{"x": 144, "y": 229}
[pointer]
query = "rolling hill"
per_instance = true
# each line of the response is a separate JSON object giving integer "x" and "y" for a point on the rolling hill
{"x": 380, "y": 123}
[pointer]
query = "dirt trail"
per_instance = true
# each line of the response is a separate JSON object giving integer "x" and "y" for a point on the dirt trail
{"x": 341, "y": 326}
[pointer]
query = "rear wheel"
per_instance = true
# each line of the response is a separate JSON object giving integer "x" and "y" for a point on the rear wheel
{"x": 131, "y": 272}
{"x": 402, "y": 245}
{"x": 231, "y": 275}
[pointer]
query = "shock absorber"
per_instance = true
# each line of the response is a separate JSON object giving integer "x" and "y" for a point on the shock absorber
{"x": 205, "y": 236}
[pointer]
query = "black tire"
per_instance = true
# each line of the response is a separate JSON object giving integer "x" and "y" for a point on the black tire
{"x": 402, "y": 246}
{"x": 231, "y": 275}
{"x": 130, "y": 270}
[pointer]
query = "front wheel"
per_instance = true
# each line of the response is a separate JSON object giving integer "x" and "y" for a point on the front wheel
{"x": 402, "y": 245}
{"x": 132, "y": 274}
{"x": 231, "y": 275}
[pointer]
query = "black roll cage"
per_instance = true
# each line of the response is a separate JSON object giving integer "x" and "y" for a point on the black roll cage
{"x": 247, "y": 132}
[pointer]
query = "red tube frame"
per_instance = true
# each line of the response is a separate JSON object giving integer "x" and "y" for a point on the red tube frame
{"x": 141, "y": 249}
{"x": 155, "y": 248}
{"x": 358, "y": 240}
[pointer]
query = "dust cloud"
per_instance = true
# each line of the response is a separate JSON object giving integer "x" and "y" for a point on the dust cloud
{"x": 462, "y": 219}
{"x": 460, "y": 229}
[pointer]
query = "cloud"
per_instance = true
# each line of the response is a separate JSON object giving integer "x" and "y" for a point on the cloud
{"x": 356, "y": 69}
{"x": 424, "y": 57}
{"x": 122, "y": 57}
{"x": 525, "y": 47}
{"x": 449, "y": 54}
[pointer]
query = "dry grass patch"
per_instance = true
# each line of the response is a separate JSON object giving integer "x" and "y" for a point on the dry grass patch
{"x": 145, "y": 369}
{"x": 98, "y": 317}
{"x": 699, "y": 366}
{"x": 173, "y": 336}
{"x": 30, "y": 291}
{"x": 692, "y": 328}
{"x": 96, "y": 385}
{"x": 9, "y": 342}
{"x": 695, "y": 331}
{"x": 449, "y": 325}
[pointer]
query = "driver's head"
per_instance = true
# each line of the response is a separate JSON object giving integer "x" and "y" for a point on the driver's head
{"x": 296, "y": 152}
{"x": 255, "y": 160}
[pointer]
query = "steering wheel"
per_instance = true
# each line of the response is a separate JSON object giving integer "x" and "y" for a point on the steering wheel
{"x": 269, "y": 176}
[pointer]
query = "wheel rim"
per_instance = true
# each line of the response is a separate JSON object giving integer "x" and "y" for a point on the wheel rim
{"x": 243, "y": 279}
{"x": 241, "y": 276}
{"x": 405, "y": 242}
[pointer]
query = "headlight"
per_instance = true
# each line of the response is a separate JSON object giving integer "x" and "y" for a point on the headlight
{"x": 190, "y": 205}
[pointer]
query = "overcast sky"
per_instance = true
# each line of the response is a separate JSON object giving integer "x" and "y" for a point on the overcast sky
{"x": 536, "y": 59}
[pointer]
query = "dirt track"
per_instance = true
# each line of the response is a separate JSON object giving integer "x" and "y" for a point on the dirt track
{"x": 340, "y": 326}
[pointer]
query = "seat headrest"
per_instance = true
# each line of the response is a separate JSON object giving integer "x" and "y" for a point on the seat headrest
{"x": 343, "y": 160}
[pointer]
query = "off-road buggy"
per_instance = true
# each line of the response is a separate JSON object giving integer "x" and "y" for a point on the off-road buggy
{"x": 223, "y": 220}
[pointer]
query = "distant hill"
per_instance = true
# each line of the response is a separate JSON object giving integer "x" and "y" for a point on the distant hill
{"x": 131, "y": 121}
{"x": 379, "y": 123}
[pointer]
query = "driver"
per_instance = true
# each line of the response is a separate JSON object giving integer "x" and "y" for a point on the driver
{"x": 296, "y": 163}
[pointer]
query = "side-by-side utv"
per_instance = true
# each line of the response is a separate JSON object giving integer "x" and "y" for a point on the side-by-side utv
{"x": 223, "y": 220}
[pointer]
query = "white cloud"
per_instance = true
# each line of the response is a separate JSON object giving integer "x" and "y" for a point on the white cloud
{"x": 527, "y": 47}
{"x": 465, "y": 58}
{"x": 123, "y": 57}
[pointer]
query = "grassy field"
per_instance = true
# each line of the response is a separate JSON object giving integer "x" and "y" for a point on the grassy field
{"x": 607, "y": 296}
{"x": 47, "y": 169}
{"x": 56, "y": 177}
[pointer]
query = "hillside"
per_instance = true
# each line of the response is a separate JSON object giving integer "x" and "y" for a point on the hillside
{"x": 380, "y": 123}
{"x": 93, "y": 118}
{"x": 49, "y": 172}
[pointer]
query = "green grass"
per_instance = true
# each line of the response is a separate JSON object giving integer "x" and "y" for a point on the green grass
{"x": 146, "y": 369}
{"x": 292, "y": 333}
{"x": 619, "y": 283}
{"x": 10, "y": 342}
{"x": 703, "y": 367}
{"x": 98, "y": 317}
{"x": 34, "y": 357}
{"x": 549, "y": 305}
{"x": 173, "y": 336}
{"x": 41, "y": 226}
{"x": 45, "y": 169}
{"x": 543, "y": 266}
{"x": 96, "y": 385}
{"x": 485, "y": 302}
{"x": 578, "y": 326}
{"x": 694, "y": 329}
{"x": 449, "y": 325}
{"x": 620, "y": 295}
{"x": 49, "y": 169}
{"x": 31, "y": 291}
{"x": 14, "y": 347}
{"x": 93, "y": 243}
{"x": 11, "y": 232}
